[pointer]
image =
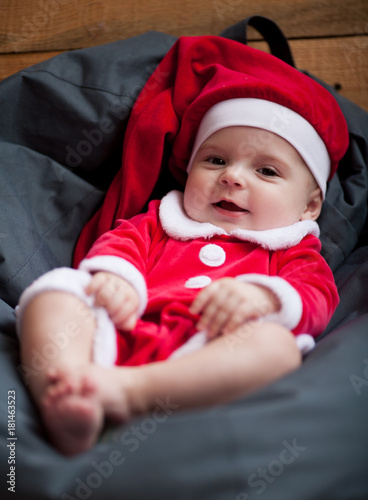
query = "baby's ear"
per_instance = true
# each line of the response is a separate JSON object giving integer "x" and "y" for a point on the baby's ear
{"x": 314, "y": 206}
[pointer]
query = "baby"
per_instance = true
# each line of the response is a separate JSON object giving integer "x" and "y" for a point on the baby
{"x": 204, "y": 297}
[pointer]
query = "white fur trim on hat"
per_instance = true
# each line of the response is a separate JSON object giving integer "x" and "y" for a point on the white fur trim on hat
{"x": 275, "y": 118}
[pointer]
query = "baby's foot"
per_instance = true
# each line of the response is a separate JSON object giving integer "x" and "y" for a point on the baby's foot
{"x": 113, "y": 388}
{"x": 72, "y": 411}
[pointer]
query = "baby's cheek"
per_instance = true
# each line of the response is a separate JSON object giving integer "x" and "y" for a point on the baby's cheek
{"x": 194, "y": 202}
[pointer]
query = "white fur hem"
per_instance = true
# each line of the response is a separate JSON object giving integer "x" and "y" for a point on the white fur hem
{"x": 74, "y": 281}
{"x": 122, "y": 268}
{"x": 304, "y": 342}
{"x": 196, "y": 342}
{"x": 291, "y": 304}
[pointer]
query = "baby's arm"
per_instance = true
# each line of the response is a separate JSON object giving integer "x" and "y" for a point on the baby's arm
{"x": 117, "y": 296}
{"x": 227, "y": 303}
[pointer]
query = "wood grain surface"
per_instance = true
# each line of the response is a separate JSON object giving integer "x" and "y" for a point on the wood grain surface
{"x": 329, "y": 38}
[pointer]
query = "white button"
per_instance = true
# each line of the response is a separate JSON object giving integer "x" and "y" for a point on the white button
{"x": 212, "y": 255}
{"x": 198, "y": 282}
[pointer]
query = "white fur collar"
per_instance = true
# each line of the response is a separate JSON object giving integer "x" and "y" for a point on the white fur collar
{"x": 179, "y": 226}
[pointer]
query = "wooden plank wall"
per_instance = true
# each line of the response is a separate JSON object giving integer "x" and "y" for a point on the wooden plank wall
{"x": 328, "y": 37}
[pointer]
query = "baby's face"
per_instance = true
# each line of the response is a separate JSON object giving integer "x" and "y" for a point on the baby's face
{"x": 249, "y": 178}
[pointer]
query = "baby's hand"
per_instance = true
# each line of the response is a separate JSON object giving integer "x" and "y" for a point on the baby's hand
{"x": 117, "y": 296}
{"x": 227, "y": 303}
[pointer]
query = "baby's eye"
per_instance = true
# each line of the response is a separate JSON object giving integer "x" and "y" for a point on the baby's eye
{"x": 268, "y": 171}
{"x": 215, "y": 160}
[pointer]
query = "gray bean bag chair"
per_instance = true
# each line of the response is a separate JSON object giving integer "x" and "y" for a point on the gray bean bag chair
{"x": 303, "y": 437}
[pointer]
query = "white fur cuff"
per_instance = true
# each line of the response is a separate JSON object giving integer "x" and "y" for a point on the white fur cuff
{"x": 122, "y": 268}
{"x": 74, "y": 281}
{"x": 291, "y": 304}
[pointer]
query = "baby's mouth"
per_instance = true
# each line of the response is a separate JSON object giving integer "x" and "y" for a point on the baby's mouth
{"x": 230, "y": 206}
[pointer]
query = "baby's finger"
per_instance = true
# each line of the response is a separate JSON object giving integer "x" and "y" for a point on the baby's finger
{"x": 244, "y": 312}
{"x": 210, "y": 293}
{"x": 199, "y": 302}
{"x": 95, "y": 283}
{"x": 103, "y": 297}
{"x": 217, "y": 323}
{"x": 235, "y": 321}
{"x": 128, "y": 324}
{"x": 214, "y": 317}
{"x": 230, "y": 312}
{"x": 125, "y": 316}
{"x": 206, "y": 317}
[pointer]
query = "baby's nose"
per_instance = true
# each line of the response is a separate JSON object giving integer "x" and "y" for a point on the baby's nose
{"x": 233, "y": 177}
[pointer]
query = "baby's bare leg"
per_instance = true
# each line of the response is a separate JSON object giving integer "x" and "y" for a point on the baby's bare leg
{"x": 57, "y": 334}
{"x": 224, "y": 369}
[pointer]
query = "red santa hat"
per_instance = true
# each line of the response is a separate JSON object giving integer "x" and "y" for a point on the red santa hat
{"x": 196, "y": 74}
{"x": 273, "y": 117}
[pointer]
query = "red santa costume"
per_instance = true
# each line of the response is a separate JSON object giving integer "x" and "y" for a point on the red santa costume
{"x": 202, "y": 85}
